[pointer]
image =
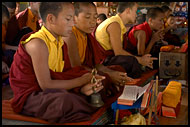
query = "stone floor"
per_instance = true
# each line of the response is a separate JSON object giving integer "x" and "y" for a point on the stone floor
{"x": 182, "y": 118}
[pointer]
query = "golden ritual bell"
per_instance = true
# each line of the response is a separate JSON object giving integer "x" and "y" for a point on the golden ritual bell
{"x": 96, "y": 99}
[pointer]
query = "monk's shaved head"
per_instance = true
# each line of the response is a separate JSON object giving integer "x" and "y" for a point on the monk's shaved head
{"x": 51, "y": 8}
{"x": 79, "y": 5}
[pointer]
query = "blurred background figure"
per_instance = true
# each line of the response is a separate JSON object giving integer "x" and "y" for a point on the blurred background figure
{"x": 167, "y": 11}
{"x": 17, "y": 10}
{"x": 140, "y": 19}
{"x": 11, "y": 7}
{"x": 24, "y": 22}
{"x": 101, "y": 17}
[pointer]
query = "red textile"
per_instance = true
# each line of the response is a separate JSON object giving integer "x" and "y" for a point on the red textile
{"x": 95, "y": 53}
{"x": 23, "y": 80}
{"x": 12, "y": 30}
{"x": 130, "y": 44}
{"x": 15, "y": 24}
{"x": 22, "y": 18}
{"x": 145, "y": 27}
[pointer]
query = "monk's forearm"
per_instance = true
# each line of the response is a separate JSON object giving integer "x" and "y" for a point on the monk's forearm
{"x": 103, "y": 68}
{"x": 66, "y": 84}
{"x": 149, "y": 47}
{"x": 123, "y": 52}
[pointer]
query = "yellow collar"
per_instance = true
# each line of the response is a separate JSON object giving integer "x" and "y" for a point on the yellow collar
{"x": 51, "y": 37}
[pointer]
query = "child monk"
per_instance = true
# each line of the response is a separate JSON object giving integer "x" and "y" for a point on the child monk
{"x": 81, "y": 44}
{"x": 142, "y": 38}
{"x": 43, "y": 82}
{"x": 110, "y": 36}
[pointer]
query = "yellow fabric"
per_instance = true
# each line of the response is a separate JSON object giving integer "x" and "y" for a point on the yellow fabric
{"x": 101, "y": 34}
{"x": 31, "y": 21}
{"x": 55, "y": 60}
{"x": 172, "y": 94}
{"x": 81, "y": 42}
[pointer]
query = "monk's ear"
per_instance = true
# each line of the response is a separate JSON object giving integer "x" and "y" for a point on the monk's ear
{"x": 150, "y": 20}
{"x": 50, "y": 18}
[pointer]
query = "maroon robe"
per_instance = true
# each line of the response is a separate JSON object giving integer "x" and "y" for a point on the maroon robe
{"x": 130, "y": 44}
{"x": 94, "y": 55}
{"x": 29, "y": 99}
{"x": 14, "y": 31}
{"x": 108, "y": 58}
{"x": 23, "y": 80}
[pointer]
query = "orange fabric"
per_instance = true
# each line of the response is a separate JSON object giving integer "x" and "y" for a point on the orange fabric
{"x": 81, "y": 42}
{"x": 172, "y": 94}
{"x": 8, "y": 113}
{"x": 184, "y": 47}
{"x": 4, "y": 76}
{"x": 31, "y": 22}
{"x": 3, "y": 32}
{"x": 26, "y": 18}
{"x": 167, "y": 48}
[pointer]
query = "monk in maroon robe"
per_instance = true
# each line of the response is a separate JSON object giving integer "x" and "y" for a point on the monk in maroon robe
{"x": 44, "y": 85}
{"x": 22, "y": 23}
{"x": 83, "y": 47}
{"x": 143, "y": 38}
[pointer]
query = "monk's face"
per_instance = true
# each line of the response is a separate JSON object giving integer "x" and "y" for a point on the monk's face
{"x": 133, "y": 13}
{"x": 86, "y": 20}
{"x": 63, "y": 23}
{"x": 11, "y": 11}
{"x": 158, "y": 22}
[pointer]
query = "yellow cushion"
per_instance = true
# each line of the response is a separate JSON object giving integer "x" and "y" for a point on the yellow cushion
{"x": 172, "y": 94}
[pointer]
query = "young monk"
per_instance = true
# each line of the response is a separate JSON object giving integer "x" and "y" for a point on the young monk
{"x": 142, "y": 37}
{"x": 167, "y": 12}
{"x": 23, "y": 23}
{"x": 110, "y": 36}
{"x": 43, "y": 82}
{"x": 82, "y": 50}
{"x": 170, "y": 25}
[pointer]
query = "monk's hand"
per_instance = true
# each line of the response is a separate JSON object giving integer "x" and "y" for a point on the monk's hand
{"x": 157, "y": 36}
{"x": 119, "y": 78}
{"x": 91, "y": 88}
{"x": 87, "y": 77}
{"x": 99, "y": 78}
{"x": 147, "y": 60}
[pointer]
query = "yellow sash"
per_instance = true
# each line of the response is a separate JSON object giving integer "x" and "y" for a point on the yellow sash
{"x": 81, "y": 42}
{"x": 55, "y": 60}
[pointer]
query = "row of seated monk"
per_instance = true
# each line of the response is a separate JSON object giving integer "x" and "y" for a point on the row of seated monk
{"x": 50, "y": 73}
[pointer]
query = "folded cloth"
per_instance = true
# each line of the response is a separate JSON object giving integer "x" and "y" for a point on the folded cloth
{"x": 167, "y": 48}
{"x": 98, "y": 117}
{"x": 172, "y": 94}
